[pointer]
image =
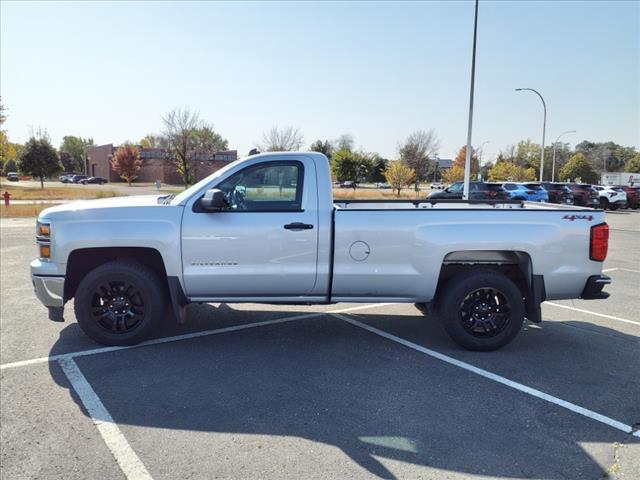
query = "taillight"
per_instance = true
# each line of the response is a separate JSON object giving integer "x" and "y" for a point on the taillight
{"x": 599, "y": 243}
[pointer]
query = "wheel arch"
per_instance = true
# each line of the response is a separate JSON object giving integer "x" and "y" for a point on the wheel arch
{"x": 515, "y": 265}
{"x": 84, "y": 260}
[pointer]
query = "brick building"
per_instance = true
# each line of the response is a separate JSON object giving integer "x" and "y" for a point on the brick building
{"x": 157, "y": 164}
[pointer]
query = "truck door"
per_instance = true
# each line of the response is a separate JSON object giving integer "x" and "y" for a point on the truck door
{"x": 264, "y": 243}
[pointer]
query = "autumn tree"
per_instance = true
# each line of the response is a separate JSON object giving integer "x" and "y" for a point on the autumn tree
{"x": 505, "y": 170}
{"x": 416, "y": 152}
{"x": 578, "y": 168}
{"x": 39, "y": 159}
{"x": 188, "y": 138}
{"x": 461, "y": 159}
{"x": 281, "y": 140}
{"x": 453, "y": 174}
{"x": 127, "y": 163}
{"x": 399, "y": 175}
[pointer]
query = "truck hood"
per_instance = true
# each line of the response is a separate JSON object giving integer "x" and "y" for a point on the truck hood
{"x": 82, "y": 206}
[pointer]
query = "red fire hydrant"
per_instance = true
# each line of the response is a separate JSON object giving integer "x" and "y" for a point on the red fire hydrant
{"x": 6, "y": 195}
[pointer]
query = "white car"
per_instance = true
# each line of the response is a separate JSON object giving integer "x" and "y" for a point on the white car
{"x": 611, "y": 198}
{"x": 267, "y": 229}
{"x": 437, "y": 186}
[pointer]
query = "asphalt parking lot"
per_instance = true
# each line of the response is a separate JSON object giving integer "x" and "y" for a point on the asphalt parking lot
{"x": 360, "y": 391}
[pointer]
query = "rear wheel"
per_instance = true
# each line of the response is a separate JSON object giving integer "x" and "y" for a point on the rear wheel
{"x": 481, "y": 309}
{"x": 119, "y": 303}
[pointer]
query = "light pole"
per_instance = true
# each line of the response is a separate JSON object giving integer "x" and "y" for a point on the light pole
{"x": 553, "y": 163}
{"x": 544, "y": 125}
{"x": 467, "y": 160}
{"x": 480, "y": 152}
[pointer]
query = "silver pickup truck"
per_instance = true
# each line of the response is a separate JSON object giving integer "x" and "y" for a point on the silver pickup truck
{"x": 266, "y": 229}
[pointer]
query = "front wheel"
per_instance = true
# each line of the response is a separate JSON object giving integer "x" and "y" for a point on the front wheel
{"x": 119, "y": 303}
{"x": 481, "y": 309}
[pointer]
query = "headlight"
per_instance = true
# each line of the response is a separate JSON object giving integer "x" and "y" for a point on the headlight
{"x": 43, "y": 239}
{"x": 43, "y": 230}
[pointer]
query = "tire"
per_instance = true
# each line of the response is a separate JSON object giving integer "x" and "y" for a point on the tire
{"x": 604, "y": 203}
{"x": 137, "y": 308}
{"x": 490, "y": 293}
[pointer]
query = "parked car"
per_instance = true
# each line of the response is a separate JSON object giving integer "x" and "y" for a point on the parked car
{"x": 228, "y": 238}
{"x": 584, "y": 195}
{"x": 383, "y": 185}
{"x": 96, "y": 180}
{"x": 13, "y": 177}
{"x": 611, "y": 198}
{"x": 348, "y": 184}
{"x": 633, "y": 195}
{"x": 65, "y": 177}
{"x": 437, "y": 186}
{"x": 531, "y": 192}
{"x": 558, "y": 193}
{"x": 78, "y": 178}
{"x": 477, "y": 191}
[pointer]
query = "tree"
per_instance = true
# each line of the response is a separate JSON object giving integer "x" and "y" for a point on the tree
{"x": 633, "y": 164}
{"x": 76, "y": 147}
{"x": 578, "y": 168}
{"x": 68, "y": 163}
{"x": 281, "y": 140}
{"x": 399, "y": 175}
{"x": 505, "y": 170}
{"x": 10, "y": 166}
{"x": 189, "y": 138}
{"x": 453, "y": 174}
{"x": 378, "y": 166}
{"x": 461, "y": 159}
{"x": 347, "y": 165}
{"x": 344, "y": 142}
{"x": 39, "y": 159}
{"x": 323, "y": 147}
{"x": 605, "y": 156}
{"x": 416, "y": 152}
{"x": 126, "y": 162}
{"x": 152, "y": 141}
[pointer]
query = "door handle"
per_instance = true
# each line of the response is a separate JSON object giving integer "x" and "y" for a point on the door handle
{"x": 298, "y": 226}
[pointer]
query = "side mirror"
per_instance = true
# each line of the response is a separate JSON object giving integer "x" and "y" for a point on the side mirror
{"x": 213, "y": 200}
{"x": 447, "y": 190}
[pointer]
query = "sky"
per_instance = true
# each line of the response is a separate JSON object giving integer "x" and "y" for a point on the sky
{"x": 375, "y": 70}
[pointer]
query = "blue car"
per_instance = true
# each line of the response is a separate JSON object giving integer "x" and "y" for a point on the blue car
{"x": 531, "y": 192}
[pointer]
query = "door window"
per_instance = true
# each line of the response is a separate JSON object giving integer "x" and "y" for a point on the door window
{"x": 265, "y": 187}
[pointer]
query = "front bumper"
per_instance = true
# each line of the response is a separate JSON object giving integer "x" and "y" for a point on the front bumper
{"x": 48, "y": 283}
{"x": 593, "y": 288}
{"x": 49, "y": 290}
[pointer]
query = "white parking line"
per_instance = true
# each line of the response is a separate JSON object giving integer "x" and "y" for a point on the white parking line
{"x": 620, "y": 268}
{"x": 496, "y": 378}
{"x": 127, "y": 460}
{"x": 186, "y": 336}
{"x": 611, "y": 317}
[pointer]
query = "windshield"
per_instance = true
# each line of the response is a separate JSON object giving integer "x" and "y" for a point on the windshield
{"x": 181, "y": 197}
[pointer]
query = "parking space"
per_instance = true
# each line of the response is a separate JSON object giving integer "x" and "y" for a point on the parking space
{"x": 258, "y": 391}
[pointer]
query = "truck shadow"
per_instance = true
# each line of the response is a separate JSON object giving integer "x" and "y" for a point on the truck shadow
{"x": 328, "y": 382}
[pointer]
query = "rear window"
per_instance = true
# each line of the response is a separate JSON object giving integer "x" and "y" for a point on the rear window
{"x": 510, "y": 186}
{"x": 533, "y": 186}
{"x": 582, "y": 187}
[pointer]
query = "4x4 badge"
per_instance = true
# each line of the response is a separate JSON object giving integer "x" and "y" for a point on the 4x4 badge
{"x": 578, "y": 217}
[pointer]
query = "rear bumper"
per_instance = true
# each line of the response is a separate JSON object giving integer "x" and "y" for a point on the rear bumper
{"x": 593, "y": 288}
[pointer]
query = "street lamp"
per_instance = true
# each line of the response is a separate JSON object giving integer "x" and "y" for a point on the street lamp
{"x": 553, "y": 163}
{"x": 544, "y": 125}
